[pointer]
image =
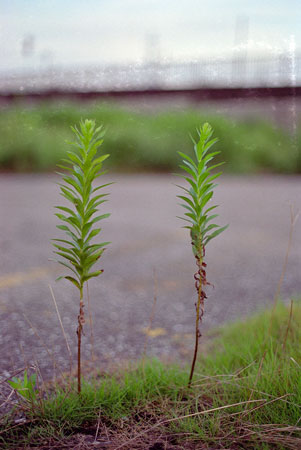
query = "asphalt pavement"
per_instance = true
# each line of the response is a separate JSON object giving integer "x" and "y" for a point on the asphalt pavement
{"x": 150, "y": 256}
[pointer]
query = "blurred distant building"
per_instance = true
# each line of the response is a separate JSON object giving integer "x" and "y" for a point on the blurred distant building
{"x": 28, "y": 44}
{"x": 241, "y": 70}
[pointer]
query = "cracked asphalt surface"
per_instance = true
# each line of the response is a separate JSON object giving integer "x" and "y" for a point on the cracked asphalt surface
{"x": 149, "y": 252}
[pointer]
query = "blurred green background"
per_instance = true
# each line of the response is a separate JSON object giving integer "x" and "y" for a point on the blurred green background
{"x": 32, "y": 138}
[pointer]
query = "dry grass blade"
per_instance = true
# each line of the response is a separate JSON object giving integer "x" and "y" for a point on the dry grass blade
{"x": 186, "y": 416}
{"x": 262, "y": 405}
{"x": 50, "y": 354}
{"x": 271, "y": 434}
{"x": 17, "y": 425}
{"x": 8, "y": 398}
{"x": 12, "y": 375}
{"x": 62, "y": 327}
{"x": 293, "y": 219}
{"x": 98, "y": 425}
{"x": 152, "y": 315}
{"x": 257, "y": 377}
{"x": 288, "y": 325}
{"x": 222, "y": 376}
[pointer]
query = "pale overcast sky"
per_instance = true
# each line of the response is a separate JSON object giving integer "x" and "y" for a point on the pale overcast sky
{"x": 80, "y": 32}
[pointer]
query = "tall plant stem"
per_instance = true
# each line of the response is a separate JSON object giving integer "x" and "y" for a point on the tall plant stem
{"x": 81, "y": 320}
{"x": 197, "y": 320}
{"x": 196, "y": 200}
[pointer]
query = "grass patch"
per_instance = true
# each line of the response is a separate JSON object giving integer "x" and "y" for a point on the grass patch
{"x": 246, "y": 394}
{"x": 32, "y": 138}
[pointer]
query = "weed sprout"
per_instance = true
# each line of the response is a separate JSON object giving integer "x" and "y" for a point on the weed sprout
{"x": 196, "y": 198}
{"x": 76, "y": 251}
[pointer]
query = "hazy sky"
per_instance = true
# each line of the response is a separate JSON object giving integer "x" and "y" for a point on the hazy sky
{"x": 77, "y": 32}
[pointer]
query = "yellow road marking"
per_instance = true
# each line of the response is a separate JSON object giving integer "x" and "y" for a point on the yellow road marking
{"x": 3, "y": 307}
{"x": 154, "y": 332}
{"x": 18, "y": 278}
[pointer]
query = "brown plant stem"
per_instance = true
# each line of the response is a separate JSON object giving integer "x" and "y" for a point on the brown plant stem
{"x": 200, "y": 277}
{"x": 91, "y": 325}
{"x": 197, "y": 333}
{"x": 81, "y": 321}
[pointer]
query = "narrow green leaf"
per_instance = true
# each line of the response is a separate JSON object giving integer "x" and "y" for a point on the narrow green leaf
{"x": 215, "y": 234}
{"x": 67, "y": 242}
{"x": 75, "y": 158}
{"x": 68, "y": 266}
{"x": 86, "y": 228}
{"x": 191, "y": 210}
{"x": 73, "y": 280}
{"x": 71, "y": 251}
{"x": 210, "y": 209}
{"x": 206, "y": 219}
{"x": 65, "y": 209}
{"x": 189, "y": 171}
{"x": 102, "y": 186}
{"x": 187, "y": 200}
{"x": 191, "y": 215}
{"x": 69, "y": 258}
{"x": 75, "y": 183}
{"x": 98, "y": 218}
{"x": 92, "y": 234}
{"x": 210, "y": 156}
{"x": 190, "y": 160}
{"x": 69, "y": 169}
{"x": 206, "y": 199}
{"x": 91, "y": 248}
{"x": 208, "y": 145}
{"x": 186, "y": 220}
{"x": 92, "y": 274}
{"x": 209, "y": 228}
{"x": 100, "y": 159}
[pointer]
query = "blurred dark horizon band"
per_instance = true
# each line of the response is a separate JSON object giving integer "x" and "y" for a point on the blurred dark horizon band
{"x": 194, "y": 95}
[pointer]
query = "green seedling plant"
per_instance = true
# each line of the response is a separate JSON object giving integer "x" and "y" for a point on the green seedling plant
{"x": 25, "y": 386}
{"x": 77, "y": 252}
{"x": 199, "y": 215}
